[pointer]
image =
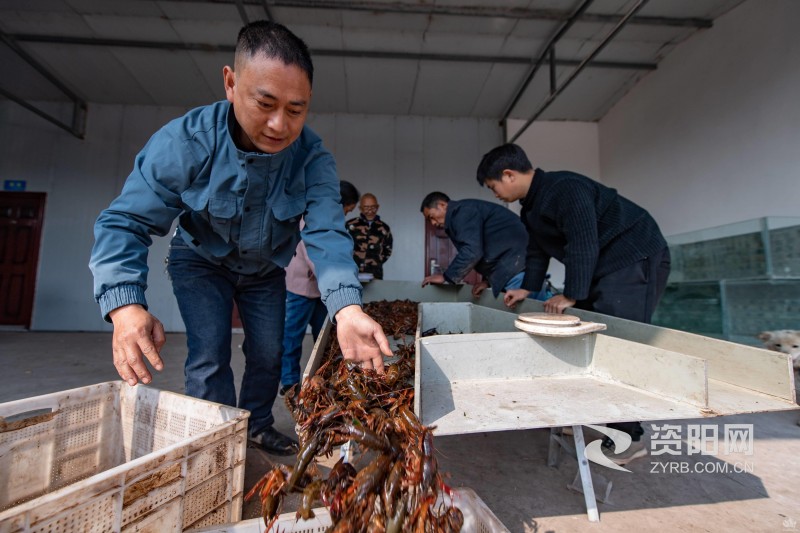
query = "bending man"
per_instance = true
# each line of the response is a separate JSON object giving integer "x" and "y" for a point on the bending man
{"x": 238, "y": 175}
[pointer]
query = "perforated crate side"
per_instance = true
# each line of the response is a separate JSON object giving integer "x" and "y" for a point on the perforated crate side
{"x": 285, "y": 523}
{"x": 98, "y": 514}
{"x": 209, "y": 462}
{"x": 142, "y": 489}
{"x": 150, "y": 493}
{"x": 165, "y": 519}
{"x": 478, "y": 518}
{"x": 55, "y": 440}
{"x": 208, "y": 496}
{"x": 217, "y": 516}
{"x": 153, "y": 420}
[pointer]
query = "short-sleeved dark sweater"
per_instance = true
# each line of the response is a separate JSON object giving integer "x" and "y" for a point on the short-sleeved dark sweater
{"x": 587, "y": 226}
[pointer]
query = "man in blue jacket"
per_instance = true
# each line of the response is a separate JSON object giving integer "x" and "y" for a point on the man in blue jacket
{"x": 489, "y": 238}
{"x": 239, "y": 175}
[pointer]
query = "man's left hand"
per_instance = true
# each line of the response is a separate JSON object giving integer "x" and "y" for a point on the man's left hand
{"x": 513, "y": 296}
{"x": 478, "y": 288}
{"x": 361, "y": 338}
{"x": 558, "y": 303}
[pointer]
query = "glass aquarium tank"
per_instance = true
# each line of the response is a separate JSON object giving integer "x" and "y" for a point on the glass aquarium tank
{"x": 734, "y": 281}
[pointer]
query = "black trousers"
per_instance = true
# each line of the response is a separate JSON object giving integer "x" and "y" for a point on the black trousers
{"x": 632, "y": 293}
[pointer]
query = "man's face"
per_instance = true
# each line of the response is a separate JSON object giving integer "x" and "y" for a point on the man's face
{"x": 270, "y": 101}
{"x": 502, "y": 188}
{"x": 348, "y": 208}
{"x": 436, "y": 215}
{"x": 369, "y": 207}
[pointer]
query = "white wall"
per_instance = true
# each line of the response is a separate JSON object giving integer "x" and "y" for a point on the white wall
{"x": 551, "y": 146}
{"x": 80, "y": 178}
{"x": 400, "y": 159}
{"x": 713, "y": 136}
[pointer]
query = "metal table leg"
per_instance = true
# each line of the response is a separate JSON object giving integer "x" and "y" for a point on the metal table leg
{"x": 556, "y": 443}
{"x": 586, "y": 475}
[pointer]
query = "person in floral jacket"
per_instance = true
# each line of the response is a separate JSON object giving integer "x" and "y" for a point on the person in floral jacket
{"x": 372, "y": 238}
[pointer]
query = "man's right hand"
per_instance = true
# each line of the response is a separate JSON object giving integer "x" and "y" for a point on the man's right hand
{"x": 137, "y": 335}
{"x": 361, "y": 338}
{"x": 437, "y": 279}
{"x": 479, "y": 287}
{"x": 513, "y": 296}
{"x": 558, "y": 304}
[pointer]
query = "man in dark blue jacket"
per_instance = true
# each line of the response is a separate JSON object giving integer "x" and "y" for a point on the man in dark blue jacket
{"x": 489, "y": 238}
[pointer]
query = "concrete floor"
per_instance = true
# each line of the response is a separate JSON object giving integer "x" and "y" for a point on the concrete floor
{"x": 506, "y": 469}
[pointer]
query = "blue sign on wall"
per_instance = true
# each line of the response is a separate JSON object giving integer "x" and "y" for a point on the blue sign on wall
{"x": 14, "y": 185}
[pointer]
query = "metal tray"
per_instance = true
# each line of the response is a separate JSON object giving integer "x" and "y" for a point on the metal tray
{"x": 481, "y": 374}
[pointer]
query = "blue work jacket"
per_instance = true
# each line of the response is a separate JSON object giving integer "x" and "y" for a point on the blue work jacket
{"x": 489, "y": 238}
{"x": 237, "y": 209}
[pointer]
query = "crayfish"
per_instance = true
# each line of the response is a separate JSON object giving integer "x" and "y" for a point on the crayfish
{"x": 398, "y": 485}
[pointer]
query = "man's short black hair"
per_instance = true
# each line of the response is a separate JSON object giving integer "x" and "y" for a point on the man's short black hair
{"x": 496, "y": 160}
{"x": 432, "y": 199}
{"x": 348, "y": 192}
{"x": 274, "y": 41}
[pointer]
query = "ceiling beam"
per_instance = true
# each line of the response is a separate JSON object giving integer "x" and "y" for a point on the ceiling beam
{"x": 242, "y": 12}
{"x": 79, "y": 105}
{"x": 267, "y": 12}
{"x": 420, "y": 8}
{"x": 553, "y": 95}
{"x": 547, "y": 49}
{"x": 412, "y": 56}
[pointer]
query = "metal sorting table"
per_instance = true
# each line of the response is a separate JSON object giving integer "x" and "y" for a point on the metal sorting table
{"x": 480, "y": 374}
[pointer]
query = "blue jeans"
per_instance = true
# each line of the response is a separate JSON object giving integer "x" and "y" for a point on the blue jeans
{"x": 516, "y": 283}
{"x": 300, "y": 312}
{"x": 205, "y": 294}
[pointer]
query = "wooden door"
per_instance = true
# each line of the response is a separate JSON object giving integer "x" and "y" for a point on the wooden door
{"x": 439, "y": 252}
{"x": 21, "y": 218}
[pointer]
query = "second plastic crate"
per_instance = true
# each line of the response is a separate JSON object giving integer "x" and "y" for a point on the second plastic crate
{"x": 478, "y": 518}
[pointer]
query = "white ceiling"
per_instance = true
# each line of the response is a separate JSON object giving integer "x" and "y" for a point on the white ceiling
{"x": 460, "y": 58}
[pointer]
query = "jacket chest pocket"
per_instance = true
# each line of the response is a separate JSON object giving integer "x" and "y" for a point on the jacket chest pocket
{"x": 223, "y": 214}
{"x": 286, "y": 217}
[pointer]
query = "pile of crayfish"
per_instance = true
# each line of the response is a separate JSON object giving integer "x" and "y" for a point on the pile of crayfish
{"x": 397, "y": 486}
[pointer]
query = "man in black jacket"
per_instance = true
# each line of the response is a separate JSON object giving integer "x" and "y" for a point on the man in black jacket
{"x": 616, "y": 259}
{"x": 489, "y": 238}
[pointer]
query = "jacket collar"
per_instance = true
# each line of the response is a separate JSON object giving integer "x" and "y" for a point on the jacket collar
{"x": 536, "y": 186}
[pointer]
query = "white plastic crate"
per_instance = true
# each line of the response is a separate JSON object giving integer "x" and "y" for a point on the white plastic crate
{"x": 110, "y": 457}
{"x": 478, "y": 518}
